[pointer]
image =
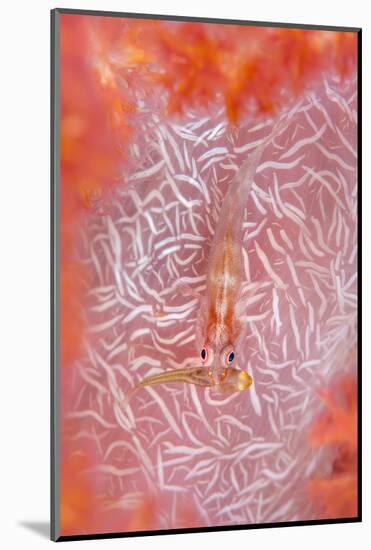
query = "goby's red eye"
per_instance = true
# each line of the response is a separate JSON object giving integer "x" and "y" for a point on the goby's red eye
{"x": 207, "y": 355}
{"x": 227, "y": 356}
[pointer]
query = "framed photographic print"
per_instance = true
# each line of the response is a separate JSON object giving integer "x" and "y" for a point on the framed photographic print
{"x": 204, "y": 276}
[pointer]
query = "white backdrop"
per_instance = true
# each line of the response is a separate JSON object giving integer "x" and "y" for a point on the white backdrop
{"x": 25, "y": 264}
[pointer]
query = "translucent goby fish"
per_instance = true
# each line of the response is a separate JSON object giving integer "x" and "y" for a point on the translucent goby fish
{"x": 219, "y": 325}
{"x": 235, "y": 380}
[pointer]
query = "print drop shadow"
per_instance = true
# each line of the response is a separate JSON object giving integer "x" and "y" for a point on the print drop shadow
{"x": 41, "y": 528}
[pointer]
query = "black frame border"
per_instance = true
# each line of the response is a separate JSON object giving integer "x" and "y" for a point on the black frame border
{"x": 55, "y": 273}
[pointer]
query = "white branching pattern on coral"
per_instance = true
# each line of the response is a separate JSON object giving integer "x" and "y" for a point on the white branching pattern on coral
{"x": 241, "y": 458}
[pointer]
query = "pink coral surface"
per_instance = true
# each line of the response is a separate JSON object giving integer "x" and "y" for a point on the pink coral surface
{"x": 183, "y": 456}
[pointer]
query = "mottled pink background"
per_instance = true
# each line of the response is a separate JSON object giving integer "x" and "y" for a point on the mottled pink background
{"x": 197, "y": 458}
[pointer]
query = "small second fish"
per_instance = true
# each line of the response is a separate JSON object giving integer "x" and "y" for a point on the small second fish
{"x": 234, "y": 380}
